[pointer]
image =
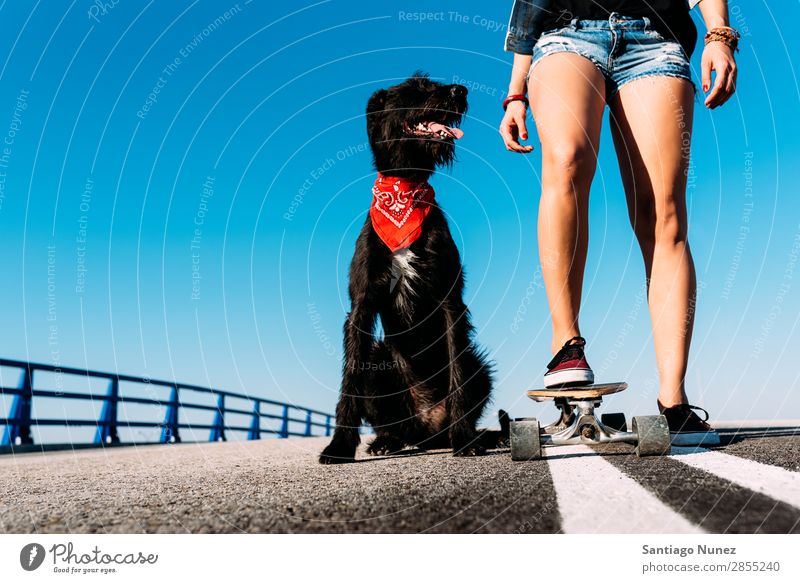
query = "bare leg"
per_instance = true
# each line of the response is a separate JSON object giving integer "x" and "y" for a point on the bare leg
{"x": 652, "y": 125}
{"x": 567, "y": 95}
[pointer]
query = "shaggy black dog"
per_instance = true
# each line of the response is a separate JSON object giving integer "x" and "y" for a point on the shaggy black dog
{"x": 425, "y": 384}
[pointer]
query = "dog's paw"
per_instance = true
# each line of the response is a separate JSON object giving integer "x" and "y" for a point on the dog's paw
{"x": 384, "y": 445}
{"x": 337, "y": 453}
{"x": 469, "y": 450}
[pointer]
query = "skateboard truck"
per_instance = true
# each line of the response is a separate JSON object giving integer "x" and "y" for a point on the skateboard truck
{"x": 578, "y": 424}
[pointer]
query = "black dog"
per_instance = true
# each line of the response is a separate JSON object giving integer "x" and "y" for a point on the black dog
{"x": 425, "y": 384}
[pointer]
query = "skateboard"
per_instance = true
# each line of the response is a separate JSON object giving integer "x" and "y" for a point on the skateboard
{"x": 578, "y": 424}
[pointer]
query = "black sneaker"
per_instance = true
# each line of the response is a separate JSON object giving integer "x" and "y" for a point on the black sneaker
{"x": 569, "y": 367}
{"x": 686, "y": 428}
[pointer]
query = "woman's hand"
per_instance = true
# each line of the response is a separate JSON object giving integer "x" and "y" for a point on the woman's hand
{"x": 512, "y": 128}
{"x": 718, "y": 57}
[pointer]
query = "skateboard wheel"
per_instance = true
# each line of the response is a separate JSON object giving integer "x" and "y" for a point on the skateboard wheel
{"x": 652, "y": 435}
{"x": 525, "y": 440}
{"x": 614, "y": 421}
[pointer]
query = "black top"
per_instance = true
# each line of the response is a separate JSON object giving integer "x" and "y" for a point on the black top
{"x": 669, "y": 17}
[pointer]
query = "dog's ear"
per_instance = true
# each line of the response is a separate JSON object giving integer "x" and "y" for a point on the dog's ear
{"x": 377, "y": 101}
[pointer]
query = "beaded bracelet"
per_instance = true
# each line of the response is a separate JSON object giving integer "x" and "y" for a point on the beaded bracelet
{"x": 724, "y": 34}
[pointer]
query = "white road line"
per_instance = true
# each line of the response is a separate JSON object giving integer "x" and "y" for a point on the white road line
{"x": 758, "y": 424}
{"x": 593, "y": 496}
{"x": 773, "y": 481}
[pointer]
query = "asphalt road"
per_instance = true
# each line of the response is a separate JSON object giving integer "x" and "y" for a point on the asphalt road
{"x": 750, "y": 485}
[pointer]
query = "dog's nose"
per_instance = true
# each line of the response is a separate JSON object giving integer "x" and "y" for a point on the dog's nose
{"x": 458, "y": 91}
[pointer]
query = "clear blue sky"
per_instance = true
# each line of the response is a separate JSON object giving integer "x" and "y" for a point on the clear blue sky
{"x": 215, "y": 165}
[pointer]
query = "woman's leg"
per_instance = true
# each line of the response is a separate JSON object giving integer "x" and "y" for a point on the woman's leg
{"x": 567, "y": 95}
{"x": 651, "y": 121}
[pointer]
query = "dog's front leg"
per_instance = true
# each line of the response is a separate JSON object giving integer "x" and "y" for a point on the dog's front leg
{"x": 358, "y": 328}
{"x": 463, "y": 436}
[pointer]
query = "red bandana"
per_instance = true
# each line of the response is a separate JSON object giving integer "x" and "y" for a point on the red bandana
{"x": 399, "y": 208}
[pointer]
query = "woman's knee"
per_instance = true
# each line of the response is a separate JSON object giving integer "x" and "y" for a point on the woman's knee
{"x": 659, "y": 225}
{"x": 568, "y": 163}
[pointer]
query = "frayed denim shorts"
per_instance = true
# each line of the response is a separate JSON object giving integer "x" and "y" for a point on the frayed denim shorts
{"x": 622, "y": 48}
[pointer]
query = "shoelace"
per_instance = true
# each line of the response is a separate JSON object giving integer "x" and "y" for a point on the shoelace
{"x": 688, "y": 408}
{"x": 581, "y": 342}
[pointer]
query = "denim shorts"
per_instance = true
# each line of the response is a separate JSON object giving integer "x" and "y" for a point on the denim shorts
{"x": 622, "y": 48}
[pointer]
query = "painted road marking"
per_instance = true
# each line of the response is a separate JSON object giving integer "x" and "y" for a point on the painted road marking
{"x": 772, "y": 481}
{"x": 594, "y": 496}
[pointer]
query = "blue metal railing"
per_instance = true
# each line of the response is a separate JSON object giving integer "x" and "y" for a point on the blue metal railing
{"x": 18, "y": 424}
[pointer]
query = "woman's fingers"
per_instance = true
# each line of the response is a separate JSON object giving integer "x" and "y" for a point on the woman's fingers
{"x": 522, "y": 132}
{"x": 507, "y": 134}
{"x": 513, "y": 127}
{"x": 718, "y": 92}
{"x": 720, "y": 61}
{"x": 724, "y": 86}
{"x": 509, "y": 130}
{"x": 732, "y": 81}
{"x": 519, "y": 119}
{"x": 705, "y": 66}
{"x": 512, "y": 141}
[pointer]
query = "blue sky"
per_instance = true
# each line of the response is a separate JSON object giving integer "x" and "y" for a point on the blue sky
{"x": 194, "y": 175}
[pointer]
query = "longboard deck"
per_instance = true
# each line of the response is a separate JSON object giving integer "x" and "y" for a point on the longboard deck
{"x": 585, "y": 392}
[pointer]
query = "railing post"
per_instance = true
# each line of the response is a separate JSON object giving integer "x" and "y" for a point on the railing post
{"x": 169, "y": 431}
{"x": 327, "y": 425}
{"x": 107, "y": 428}
{"x": 218, "y": 431}
{"x": 308, "y": 423}
{"x": 285, "y": 423}
{"x": 255, "y": 424}
{"x": 19, "y": 432}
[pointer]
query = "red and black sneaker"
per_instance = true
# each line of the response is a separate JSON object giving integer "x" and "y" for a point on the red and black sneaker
{"x": 569, "y": 367}
{"x": 686, "y": 427}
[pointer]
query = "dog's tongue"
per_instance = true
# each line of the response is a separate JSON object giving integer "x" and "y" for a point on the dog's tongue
{"x": 435, "y": 127}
